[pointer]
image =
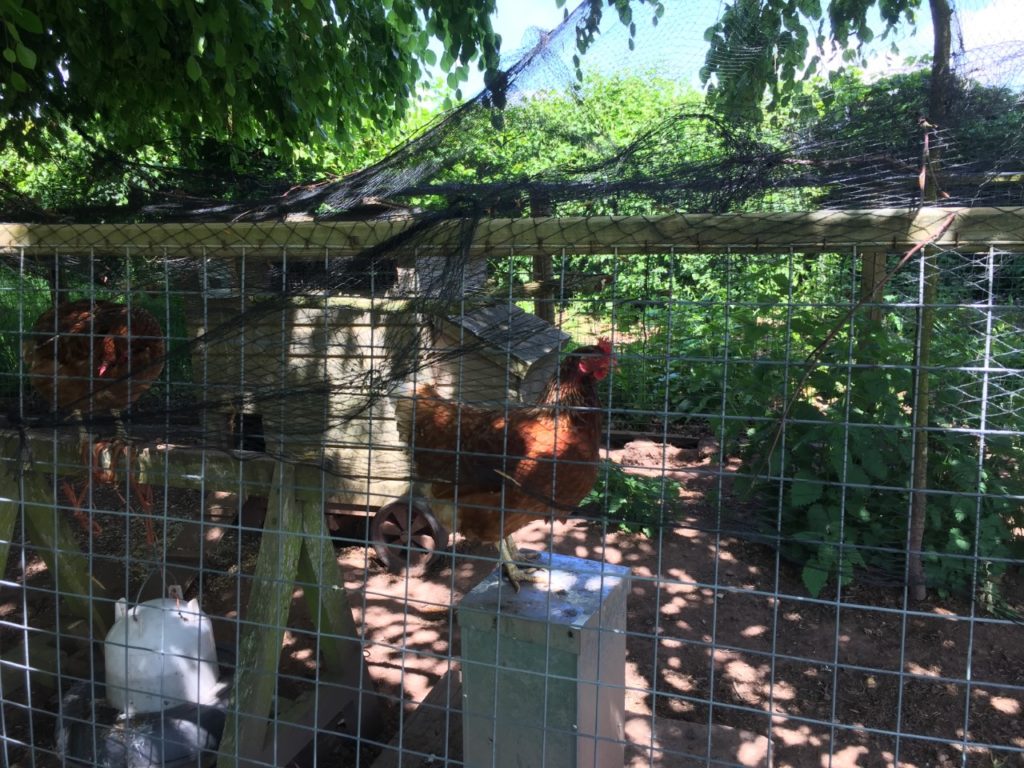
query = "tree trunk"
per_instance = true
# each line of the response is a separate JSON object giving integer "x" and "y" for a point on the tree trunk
{"x": 937, "y": 105}
{"x": 543, "y": 273}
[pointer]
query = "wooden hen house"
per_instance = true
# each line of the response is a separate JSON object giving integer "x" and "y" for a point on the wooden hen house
{"x": 290, "y": 365}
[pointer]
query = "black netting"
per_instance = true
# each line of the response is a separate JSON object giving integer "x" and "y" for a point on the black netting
{"x": 785, "y": 300}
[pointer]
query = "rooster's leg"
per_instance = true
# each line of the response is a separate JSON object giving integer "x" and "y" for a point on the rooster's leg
{"x": 120, "y": 433}
{"x": 77, "y": 500}
{"x": 144, "y": 496}
{"x": 25, "y": 460}
{"x": 83, "y": 434}
{"x": 509, "y": 555}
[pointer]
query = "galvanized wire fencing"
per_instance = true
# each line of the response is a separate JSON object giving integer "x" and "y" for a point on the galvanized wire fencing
{"x": 797, "y": 539}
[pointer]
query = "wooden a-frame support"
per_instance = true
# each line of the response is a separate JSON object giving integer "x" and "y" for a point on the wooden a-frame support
{"x": 295, "y": 552}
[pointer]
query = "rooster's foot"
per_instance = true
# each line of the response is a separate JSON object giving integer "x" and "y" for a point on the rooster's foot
{"x": 518, "y": 576}
{"x": 511, "y": 558}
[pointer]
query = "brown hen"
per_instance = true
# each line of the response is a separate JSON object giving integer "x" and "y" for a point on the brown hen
{"x": 490, "y": 472}
{"x": 89, "y": 357}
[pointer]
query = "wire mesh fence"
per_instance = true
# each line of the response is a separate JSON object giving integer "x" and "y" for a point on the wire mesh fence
{"x": 586, "y": 427}
{"x": 783, "y": 525}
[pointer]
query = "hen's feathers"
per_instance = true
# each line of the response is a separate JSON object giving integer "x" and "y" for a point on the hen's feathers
{"x": 93, "y": 355}
{"x": 455, "y": 442}
{"x": 502, "y": 467}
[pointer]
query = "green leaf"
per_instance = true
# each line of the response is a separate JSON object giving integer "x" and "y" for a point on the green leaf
{"x": 26, "y": 56}
{"x": 814, "y": 577}
{"x": 10, "y": 55}
{"x": 29, "y": 21}
{"x": 805, "y": 490}
{"x": 855, "y": 475}
{"x": 826, "y": 557}
{"x": 818, "y": 518}
{"x": 192, "y": 69}
{"x": 18, "y": 82}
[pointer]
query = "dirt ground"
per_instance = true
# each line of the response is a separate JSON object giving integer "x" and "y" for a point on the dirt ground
{"x": 720, "y": 631}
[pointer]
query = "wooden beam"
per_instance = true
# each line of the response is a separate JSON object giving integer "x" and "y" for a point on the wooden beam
{"x": 251, "y": 474}
{"x": 295, "y": 551}
{"x": 806, "y": 231}
{"x": 9, "y": 501}
{"x": 433, "y": 731}
{"x": 47, "y": 527}
{"x": 250, "y": 721}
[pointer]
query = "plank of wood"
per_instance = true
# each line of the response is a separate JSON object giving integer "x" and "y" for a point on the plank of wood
{"x": 432, "y": 731}
{"x": 248, "y": 723}
{"x": 806, "y": 231}
{"x": 9, "y": 505}
{"x": 341, "y": 644}
{"x": 323, "y": 585}
{"x": 295, "y": 551}
{"x": 47, "y": 527}
{"x": 338, "y": 703}
{"x": 183, "y": 467}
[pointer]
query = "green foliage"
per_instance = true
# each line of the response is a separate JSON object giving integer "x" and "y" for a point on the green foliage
{"x": 636, "y": 504}
{"x": 877, "y": 117}
{"x": 286, "y": 74}
{"x": 722, "y": 326}
{"x": 74, "y": 169}
{"x": 760, "y": 47}
{"x": 727, "y": 352}
{"x": 22, "y": 300}
{"x": 278, "y": 76}
{"x": 845, "y": 461}
{"x": 555, "y": 133}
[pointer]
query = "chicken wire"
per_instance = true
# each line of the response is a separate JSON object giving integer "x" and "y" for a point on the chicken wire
{"x": 726, "y": 636}
{"x": 781, "y": 300}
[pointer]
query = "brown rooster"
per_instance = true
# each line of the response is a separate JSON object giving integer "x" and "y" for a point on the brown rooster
{"x": 490, "y": 472}
{"x": 91, "y": 356}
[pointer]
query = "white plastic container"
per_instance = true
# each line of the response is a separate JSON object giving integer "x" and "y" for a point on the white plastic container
{"x": 160, "y": 654}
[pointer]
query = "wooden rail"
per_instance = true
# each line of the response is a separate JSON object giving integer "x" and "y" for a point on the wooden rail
{"x": 813, "y": 231}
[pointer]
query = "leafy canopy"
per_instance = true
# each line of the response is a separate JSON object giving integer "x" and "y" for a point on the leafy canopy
{"x": 292, "y": 72}
{"x": 274, "y": 72}
{"x": 760, "y": 46}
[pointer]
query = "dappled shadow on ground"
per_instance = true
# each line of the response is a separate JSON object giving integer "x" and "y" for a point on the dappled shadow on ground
{"x": 723, "y": 646}
{"x": 722, "y": 634}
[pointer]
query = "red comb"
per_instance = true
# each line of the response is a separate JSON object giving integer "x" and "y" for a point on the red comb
{"x": 604, "y": 345}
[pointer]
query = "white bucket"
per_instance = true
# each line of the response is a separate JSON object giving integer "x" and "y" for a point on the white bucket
{"x": 160, "y": 654}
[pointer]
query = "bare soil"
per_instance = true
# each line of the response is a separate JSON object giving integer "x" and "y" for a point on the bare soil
{"x": 721, "y": 632}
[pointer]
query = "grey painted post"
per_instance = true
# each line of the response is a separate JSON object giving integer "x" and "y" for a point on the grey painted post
{"x": 543, "y": 671}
